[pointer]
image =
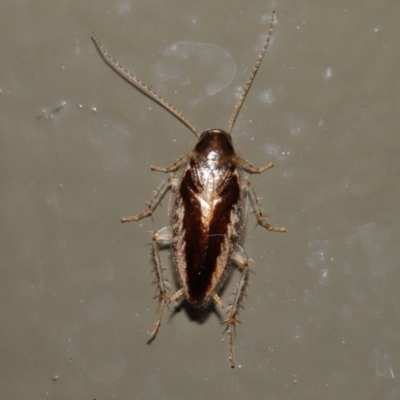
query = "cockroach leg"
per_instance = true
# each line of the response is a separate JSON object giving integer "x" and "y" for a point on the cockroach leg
{"x": 161, "y": 238}
{"x": 252, "y": 169}
{"x": 241, "y": 259}
{"x": 260, "y": 216}
{"x": 159, "y": 194}
{"x": 217, "y": 300}
{"x": 172, "y": 168}
{"x": 177, "y": 296}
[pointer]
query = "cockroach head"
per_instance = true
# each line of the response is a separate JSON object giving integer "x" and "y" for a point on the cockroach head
{"x": 215, "y": 141}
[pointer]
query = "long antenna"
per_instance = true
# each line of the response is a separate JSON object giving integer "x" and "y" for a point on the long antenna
{"x": 119, "y": 69}
{"x": 252, "y": 75}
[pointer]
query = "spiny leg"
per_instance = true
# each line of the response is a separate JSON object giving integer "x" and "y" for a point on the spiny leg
{"x": 162, "y": 238}
{"x": 261, "y": 218}
{"x": 159, "y": 194}
{"x": 241, "y": 260}
{"x": 177, "y": 296}
{"x": 245, "y": 165}
{"x": 172, "y": 168}
{"x": 217, "y": 300}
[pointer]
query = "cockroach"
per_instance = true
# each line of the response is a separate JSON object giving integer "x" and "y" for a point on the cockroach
{"x": 207, "y": 212}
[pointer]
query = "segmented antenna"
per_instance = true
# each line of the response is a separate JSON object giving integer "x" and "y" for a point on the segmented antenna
{"x": 133, "y": 80}
{"x": 252, "y": 75}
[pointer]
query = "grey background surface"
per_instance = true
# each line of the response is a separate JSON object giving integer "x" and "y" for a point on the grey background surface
{"x": 321, "y": 319}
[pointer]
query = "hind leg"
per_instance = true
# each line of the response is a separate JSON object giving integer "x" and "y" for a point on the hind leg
{"x": 161, "y": 238}
{"x": 241, "y": 260}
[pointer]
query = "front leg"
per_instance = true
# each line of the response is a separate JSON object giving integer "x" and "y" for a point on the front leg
{"x": 245, "y": 165}
{"x": 172, "y": 168}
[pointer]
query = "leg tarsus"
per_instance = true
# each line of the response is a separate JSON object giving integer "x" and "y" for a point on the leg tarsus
{"x": 159, "y": 238}
{"x": 163, "y": 298}
{"x": 230, "y": 344}
{"x": 242, "y": 261}
{"x": 137, "y": 217}
{"x": 261, "y": 218}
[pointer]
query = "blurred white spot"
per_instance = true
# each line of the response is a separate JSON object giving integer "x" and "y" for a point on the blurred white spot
{"x": 238, "y": 91}
{"x": 261, "y": 41}
{"x": 288, "y": 172}
{"x": 267, "y": 96}
{"x": 318, "y": 253}
{"x": 298, "y": 332}
{"x": 267, "y": 18}
{"x": 123, "y": 6}
{"x": 323, "y": 277}
{"x": 318, "y": 257}
{"x": 277, "y": 151}
{"x": 295, "y": 125}
{"x": 383, "y": 365}
{"x": 328, "y": 73}
{"x": 189, "y": 65}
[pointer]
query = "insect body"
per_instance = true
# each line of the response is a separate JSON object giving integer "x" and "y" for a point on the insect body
{"x": 209, "y": 200}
